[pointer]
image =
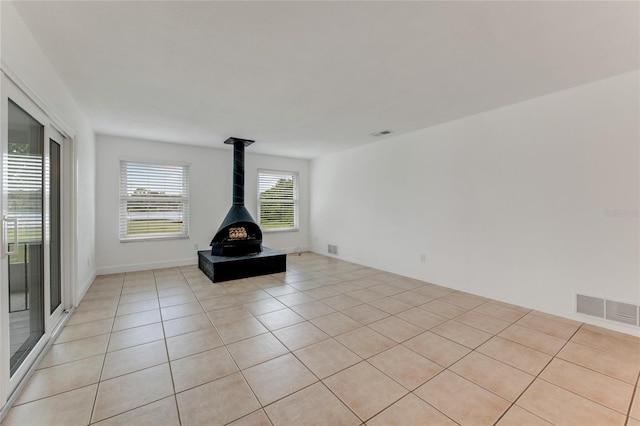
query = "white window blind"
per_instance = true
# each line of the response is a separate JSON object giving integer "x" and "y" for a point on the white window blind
{"x": 154, "y": 201}
{"x": 277, "y": 200}
{"x": 24, "y": 193}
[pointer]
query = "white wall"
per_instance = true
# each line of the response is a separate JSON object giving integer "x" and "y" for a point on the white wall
{"x": 211, "y": 174}
{"x": 508, "y": 204}
{"x": 22, "y": 56}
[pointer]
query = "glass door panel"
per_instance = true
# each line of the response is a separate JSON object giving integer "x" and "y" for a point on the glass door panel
{"x": 24, "y": 219}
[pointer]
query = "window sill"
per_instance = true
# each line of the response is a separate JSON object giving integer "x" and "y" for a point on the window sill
{"x": 147, "y": 239}
{"x": 280, "y": 230}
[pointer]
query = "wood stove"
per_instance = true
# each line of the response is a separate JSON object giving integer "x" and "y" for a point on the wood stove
{"x": 238, "y": 234}
{"x": 236, "y": 249}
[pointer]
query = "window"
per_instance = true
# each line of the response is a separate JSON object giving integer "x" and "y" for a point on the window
{"x": 277, "y": 200}
{"x": 154, "y": 201}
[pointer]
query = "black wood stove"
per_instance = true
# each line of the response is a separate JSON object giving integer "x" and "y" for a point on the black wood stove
{"x": 236, "y": 249}
{"x": 239, "y": 234}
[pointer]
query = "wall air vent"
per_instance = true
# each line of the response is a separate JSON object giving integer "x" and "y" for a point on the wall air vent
{"x": 587, "y": 305}
{"x": 624, "y": 313}
{"x": 332, "y": 249}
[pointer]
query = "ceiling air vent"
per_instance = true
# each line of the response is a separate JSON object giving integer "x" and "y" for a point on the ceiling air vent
{"x": 382, "y": 133}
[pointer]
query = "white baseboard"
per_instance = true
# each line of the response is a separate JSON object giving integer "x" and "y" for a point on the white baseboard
{"x": 117, "y": 269}
{"x": 292, "y": 250}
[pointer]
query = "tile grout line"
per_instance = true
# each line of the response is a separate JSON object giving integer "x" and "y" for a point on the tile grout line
{"x": 166, "y": 347}
{"x": 633, "y": 395}
{"x": 106, "y": 350}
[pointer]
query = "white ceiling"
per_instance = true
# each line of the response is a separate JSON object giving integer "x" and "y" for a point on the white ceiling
{"x": 306, "y": 79}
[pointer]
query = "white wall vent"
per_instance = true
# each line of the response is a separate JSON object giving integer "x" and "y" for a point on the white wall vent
{"x": 332, "y": 249}
{"x": 625, "y": 313}
{"x": 588, "y": 305}
{"x": 622, "y": 312}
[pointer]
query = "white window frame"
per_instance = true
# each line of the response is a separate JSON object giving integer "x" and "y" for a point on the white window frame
{"x": 125, "y": 197}
{"x": 296, "y": 199}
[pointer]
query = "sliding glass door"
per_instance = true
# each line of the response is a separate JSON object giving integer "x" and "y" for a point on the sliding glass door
{"x": 24, "y": 234}
{"x": 33, "y": 238}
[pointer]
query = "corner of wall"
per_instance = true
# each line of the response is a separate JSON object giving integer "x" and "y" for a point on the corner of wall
{"x": 83, "y": 287}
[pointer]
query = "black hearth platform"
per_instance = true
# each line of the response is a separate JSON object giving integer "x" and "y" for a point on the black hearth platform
{"x": 226, "y": 268}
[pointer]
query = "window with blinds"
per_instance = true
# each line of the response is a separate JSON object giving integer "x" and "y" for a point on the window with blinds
{"x": 154, "y": 201}
{"x": 277, "y": 200}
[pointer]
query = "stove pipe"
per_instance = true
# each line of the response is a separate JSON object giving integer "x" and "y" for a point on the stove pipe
{"x": 238, "y": 168}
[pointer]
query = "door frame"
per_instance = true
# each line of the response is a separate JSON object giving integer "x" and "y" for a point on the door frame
{"x": 12, "y": 87}
{"x": 54, "y": 318}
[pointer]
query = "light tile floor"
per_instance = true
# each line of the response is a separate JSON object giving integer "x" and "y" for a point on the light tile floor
{"x": 327, "y": 343}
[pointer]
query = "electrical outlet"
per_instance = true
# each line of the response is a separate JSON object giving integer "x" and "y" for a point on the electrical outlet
{"x": 423, "y": 258}
{"x": 195, "y": 247}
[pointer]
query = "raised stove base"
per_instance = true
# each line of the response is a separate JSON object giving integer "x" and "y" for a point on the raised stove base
{"x": 224, "y": 268}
